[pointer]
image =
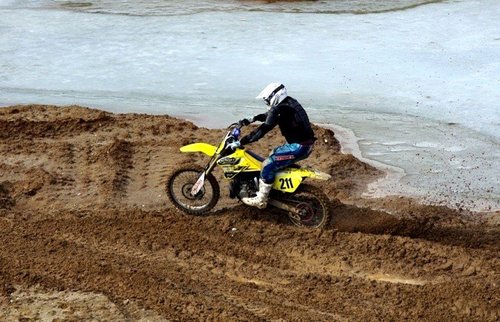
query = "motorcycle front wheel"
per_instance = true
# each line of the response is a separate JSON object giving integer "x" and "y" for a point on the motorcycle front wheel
{"x": 179, "y": 187}
{"x": 311, "y": 205}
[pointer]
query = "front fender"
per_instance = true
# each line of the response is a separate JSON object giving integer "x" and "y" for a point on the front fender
{"x": 206, "y": 148}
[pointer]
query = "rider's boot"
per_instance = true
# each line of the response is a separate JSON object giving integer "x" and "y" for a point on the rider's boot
{"x": 260, "y": 200}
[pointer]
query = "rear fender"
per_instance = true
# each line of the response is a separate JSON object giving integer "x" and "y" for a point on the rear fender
{"x": 314, "y": 174}
{"x": 289, "y": 179}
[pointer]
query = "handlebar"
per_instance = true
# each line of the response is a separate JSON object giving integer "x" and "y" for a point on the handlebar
{"x": 233, "y": 125}
{"x": 241, "y": 123}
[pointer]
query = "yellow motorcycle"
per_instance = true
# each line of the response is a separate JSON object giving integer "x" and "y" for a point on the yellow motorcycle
{"x": 195, "y": 190}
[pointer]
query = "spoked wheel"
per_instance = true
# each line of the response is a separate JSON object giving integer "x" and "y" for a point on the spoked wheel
{"x": 179, "y": 187}
{"x": 311, "y": 205}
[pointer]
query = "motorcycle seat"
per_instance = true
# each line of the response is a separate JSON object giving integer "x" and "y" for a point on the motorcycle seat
{"x": 261, "y": 159}
{"x": 256, "y": 156}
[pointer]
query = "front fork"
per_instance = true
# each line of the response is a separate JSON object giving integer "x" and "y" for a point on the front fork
{"x": 201, "y": 179}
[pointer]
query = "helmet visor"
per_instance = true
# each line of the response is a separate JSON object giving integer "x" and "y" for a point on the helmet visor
{"x": 270, "y": 97}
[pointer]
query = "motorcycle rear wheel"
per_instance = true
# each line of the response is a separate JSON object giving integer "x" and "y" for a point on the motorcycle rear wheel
{"x": 312, "y": 204}
{"x": 179, "y": 186}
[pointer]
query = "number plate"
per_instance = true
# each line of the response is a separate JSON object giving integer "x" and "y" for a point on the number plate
{"x": 198, "y": 185}
{"x": 287, "y": 181}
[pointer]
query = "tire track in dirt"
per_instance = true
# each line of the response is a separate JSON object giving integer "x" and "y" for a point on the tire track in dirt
{"x": 87, "y": 174}
{"x": 151, "y": 164}
{"x": 204, "y": 262}
{"x": 112, "y": 272}
{"x": 178, "y": 279}
{"x": 155, "y": 247}
{"x": 258, "y": 308}
{"x": 114, "y": 161}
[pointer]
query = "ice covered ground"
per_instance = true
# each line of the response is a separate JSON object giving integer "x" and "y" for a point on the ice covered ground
{"x": 419, "y": 88}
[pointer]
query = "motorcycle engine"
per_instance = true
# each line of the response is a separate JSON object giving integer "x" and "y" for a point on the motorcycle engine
{"x": 244, "y": 191}
{"x": 244, "y": 187}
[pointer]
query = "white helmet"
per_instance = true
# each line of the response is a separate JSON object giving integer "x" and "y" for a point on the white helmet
{"x": 273, "y": 94}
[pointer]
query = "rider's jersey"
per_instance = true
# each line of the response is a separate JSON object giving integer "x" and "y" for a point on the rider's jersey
{"x": 292, "y": 120}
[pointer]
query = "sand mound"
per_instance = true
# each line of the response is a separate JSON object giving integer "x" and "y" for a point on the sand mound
{"x": 86, "y": 225}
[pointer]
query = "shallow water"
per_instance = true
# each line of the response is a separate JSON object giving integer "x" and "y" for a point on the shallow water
{"x": 416, "y": 81}
{"x": 176, "y": 7}
{"x": 440, "y": 163}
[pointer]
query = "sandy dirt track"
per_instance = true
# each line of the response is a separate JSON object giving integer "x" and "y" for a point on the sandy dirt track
{"x": 87, "y": 233}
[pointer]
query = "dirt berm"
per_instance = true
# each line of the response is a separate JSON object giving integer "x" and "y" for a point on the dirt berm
{"x": 87, "y": 234}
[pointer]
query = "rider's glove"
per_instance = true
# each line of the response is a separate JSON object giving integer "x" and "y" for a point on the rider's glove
{"x": 234, "y": 145}
{"x": 244, "y": 122}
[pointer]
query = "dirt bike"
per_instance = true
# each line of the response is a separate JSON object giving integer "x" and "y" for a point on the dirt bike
{"x": 195, "y": 190}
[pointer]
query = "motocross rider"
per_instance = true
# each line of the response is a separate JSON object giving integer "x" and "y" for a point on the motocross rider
{"x": 294, "y": 125}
